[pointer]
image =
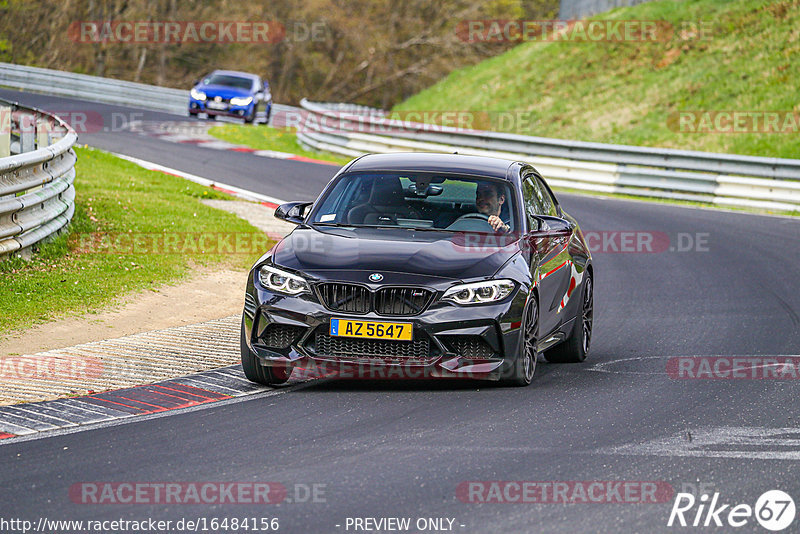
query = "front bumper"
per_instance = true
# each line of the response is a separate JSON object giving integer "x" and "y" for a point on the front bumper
{"x": 201, "y": 106}
{"x": 478, "y": 341}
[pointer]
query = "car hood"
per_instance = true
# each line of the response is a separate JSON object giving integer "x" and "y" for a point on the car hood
{"x": 425, "y": 253}
{"x": 223, "y": 91}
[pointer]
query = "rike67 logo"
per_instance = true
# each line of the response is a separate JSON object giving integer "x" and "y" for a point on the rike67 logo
{"x": 774, "y": 510}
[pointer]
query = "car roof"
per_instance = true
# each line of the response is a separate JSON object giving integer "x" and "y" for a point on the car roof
{"x": 432, "y": 162}
{"x": 236, "y": 73}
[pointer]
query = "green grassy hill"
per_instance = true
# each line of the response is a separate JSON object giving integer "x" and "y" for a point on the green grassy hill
{"x": 628, "y": 93}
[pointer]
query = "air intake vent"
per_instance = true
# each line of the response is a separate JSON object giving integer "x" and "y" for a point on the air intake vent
{"x": 281, "y": 336}
{"x": 351, "y": 349}
{"x": 470, "y": 346}
{"x": 249, "y": 305}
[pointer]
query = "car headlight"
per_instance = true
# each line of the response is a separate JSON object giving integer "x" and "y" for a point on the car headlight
{"x": 479, "y": 292}
{"x": 281, "y": 281}
{"x": 197, "y": 95}
{"x": 241, "y": 100}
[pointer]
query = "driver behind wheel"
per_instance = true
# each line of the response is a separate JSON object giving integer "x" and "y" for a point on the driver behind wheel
{"x": 489, "y": 201}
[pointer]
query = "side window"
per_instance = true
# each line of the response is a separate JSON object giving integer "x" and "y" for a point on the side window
{"x": 548, "y": 202}
{"x": 532, "y": 200}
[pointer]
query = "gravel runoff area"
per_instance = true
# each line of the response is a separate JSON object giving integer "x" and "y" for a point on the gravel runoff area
{"x": 172, "y": 350}
{"x": 118, "y": 363}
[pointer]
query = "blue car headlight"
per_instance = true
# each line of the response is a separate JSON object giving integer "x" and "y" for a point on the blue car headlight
{"x": 241, "y": 100}
{"x": 197, "y": 95}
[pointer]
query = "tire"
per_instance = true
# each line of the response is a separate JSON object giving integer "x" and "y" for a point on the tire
{"x": 250, "y": 118}
{"x": 261, "y": 374}
{"x": 525, "y": 363}
{"x": 267, "y": 115}
{"x": 576, "y": 347}
{"x": 211, "y": 117}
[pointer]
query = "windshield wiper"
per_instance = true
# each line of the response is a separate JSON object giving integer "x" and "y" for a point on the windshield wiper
{"x": 339, "y": 225}
{"x": 386, "y": 227}
{"x": 426, "y": 229}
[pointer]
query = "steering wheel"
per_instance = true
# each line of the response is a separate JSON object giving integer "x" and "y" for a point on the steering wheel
{"x": 471, "y": 222}
{"x": 474, "y": 215}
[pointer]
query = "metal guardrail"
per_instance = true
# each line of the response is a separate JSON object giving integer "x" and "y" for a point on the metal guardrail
{"x": 37, "y": 171}
{"x": 724, "y": 179}
{"x": 577, "y": 9}
{"x": 94, "y": 88}
{"x": 99, "y": 89}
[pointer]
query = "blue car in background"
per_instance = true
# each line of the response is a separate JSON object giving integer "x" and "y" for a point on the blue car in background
{"x": 231, "y": 94}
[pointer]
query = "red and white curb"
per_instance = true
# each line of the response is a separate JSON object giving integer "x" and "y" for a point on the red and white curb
{"x": 195, "y": 133}
{"x": 27, "y": 420}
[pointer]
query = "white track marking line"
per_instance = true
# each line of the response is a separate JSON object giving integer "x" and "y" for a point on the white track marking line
{"x": 238, "y": 192}
{"x": 754, "y": 443}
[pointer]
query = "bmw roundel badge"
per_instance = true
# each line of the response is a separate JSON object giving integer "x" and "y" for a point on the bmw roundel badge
{"x": 375, "y": 277}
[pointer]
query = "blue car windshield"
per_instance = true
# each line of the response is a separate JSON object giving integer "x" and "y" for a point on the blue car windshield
{"x": 417, "y": 200}
{"x": 229, "y": 81}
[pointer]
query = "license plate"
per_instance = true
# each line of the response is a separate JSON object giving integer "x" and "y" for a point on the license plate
{"x": 217, "y": 105}
{"x": 371, "y": 329}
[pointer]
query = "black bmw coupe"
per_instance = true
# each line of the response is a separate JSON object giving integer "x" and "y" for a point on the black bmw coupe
{"x": 422, "y": 265}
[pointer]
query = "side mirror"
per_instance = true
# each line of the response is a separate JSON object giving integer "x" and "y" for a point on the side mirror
{"x": 293, "y": 212}
{"x": 550, "y": 227}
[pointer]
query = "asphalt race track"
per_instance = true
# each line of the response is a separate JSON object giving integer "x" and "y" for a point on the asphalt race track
{"x": 383, "y": 449}
{"x": 106, "y": 127}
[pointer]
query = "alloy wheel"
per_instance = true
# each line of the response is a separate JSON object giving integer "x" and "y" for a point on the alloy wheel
{"x": 531, "y": 326}
{"x": 588, "y": 314}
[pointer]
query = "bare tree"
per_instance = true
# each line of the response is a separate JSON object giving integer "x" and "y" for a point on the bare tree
{"x": 376, "y": 52}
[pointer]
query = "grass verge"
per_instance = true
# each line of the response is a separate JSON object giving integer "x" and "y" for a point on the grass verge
{"x": 723, "y": 55}
{"x": 133, "y": 230}
{"x": 263, "y": 137}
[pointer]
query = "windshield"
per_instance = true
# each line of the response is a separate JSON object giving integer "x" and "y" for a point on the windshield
{"x": 230, "y": 81}
{"x": 419, "y": 200}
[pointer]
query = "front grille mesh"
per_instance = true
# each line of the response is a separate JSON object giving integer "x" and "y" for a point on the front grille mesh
{"x": 349, "y": 298}
{"x": 401, "y": 300}
{"x": 470, "y": 346}
{"x": 280, "y": 336}
{"x": 344, "y": 348}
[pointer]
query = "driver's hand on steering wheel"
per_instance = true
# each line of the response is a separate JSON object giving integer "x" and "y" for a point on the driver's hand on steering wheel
{"x": 497, "y": 224}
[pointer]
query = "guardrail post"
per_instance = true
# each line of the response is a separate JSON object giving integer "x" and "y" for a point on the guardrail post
{"x": 27, "y": 133}
{"x": 42, "y": 132}
{"x": 5, "y": 131}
